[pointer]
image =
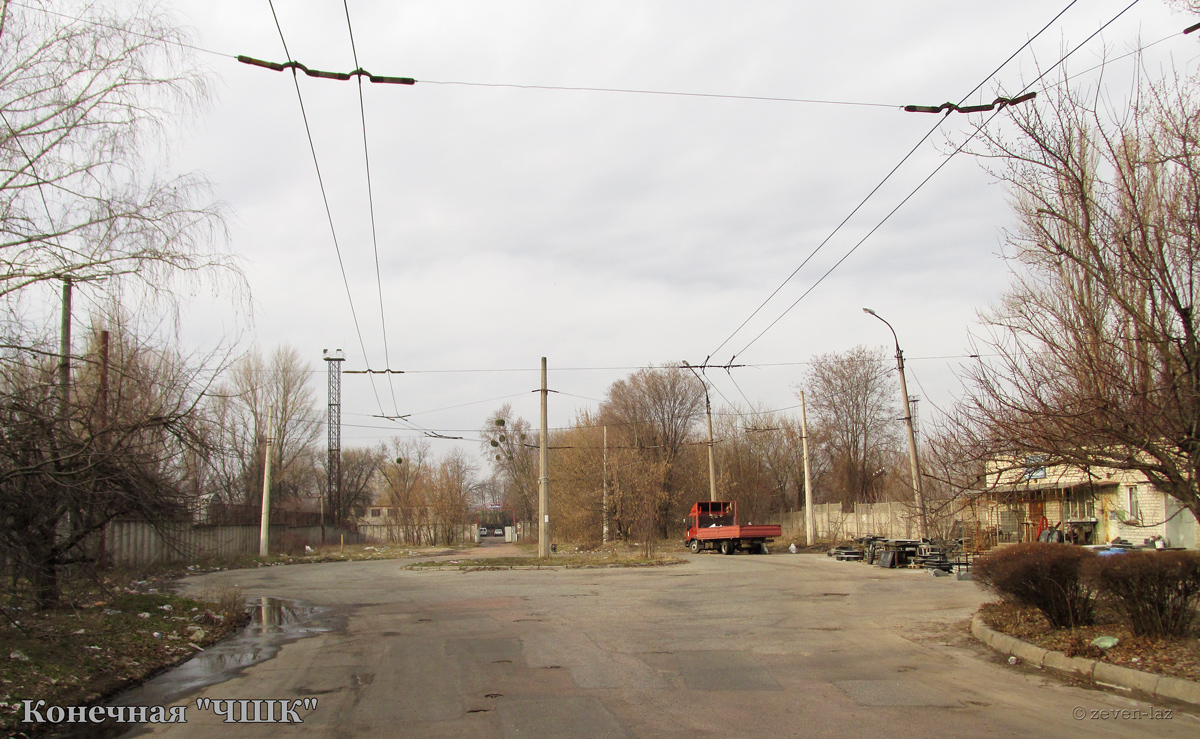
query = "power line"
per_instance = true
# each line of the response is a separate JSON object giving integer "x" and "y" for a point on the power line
{"x": 739, "y": 388}
{"x": 671, "y": 93}
{"x": 462, "y": 405}
{"x": 362, "y": 110}
{"x": 122, "y": 29}
{"x": 409, "y": 80}
{"x": 325, "y": 198}
{"x": 930, "y": 176}
{"x": 626, "y": 368}
{"x": 881, "y": 183}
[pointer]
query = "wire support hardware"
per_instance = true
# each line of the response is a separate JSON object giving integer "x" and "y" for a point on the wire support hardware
{"x": 360, "y": 72}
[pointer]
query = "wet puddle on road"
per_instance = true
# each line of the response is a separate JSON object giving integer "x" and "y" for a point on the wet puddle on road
{"x": 274, "y": 622}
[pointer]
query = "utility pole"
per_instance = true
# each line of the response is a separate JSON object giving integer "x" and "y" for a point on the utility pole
{"x": 604, "y": 489}
{"x": 712, "y": 462}
{"x": 543, "y": 477}
{"x": 914, "y": 467}
{"x": 64, "y": 351}
{"x": 810, "y": 523}
{"x": 333, "y": 423}
{"x": 264, "y": 527}
{"x": 103, "y": 384}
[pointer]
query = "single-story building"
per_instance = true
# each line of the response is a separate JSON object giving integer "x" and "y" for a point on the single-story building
{"x": 1092, "y": 506}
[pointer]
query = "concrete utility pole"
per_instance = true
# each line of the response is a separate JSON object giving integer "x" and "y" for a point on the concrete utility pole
{"x": 544, "y": 477}
{"x": 64, "y": 351}
{"x": 712, "y": 462}
{"x": 914, "y": 467}
{"x": 810, "y": 523}
{"x": 604, "y": 489}
{"x": 264, "y": 527}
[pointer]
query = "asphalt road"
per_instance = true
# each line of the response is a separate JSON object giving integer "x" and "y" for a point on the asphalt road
{"x": 741, "y": 646}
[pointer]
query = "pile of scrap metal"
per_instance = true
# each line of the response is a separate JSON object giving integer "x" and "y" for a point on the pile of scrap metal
{"x": 845, "y": 553}
{"x": 939, "y": 556}
{"x": 863, "y": 550}
{"x": 912, "y": 553}
{"x": 896, "y": 552}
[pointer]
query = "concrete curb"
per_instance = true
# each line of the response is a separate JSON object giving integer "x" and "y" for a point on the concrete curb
{"x": 1159, "y": 686}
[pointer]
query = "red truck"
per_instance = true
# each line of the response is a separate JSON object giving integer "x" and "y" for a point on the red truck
{"x": 713, "y": 525}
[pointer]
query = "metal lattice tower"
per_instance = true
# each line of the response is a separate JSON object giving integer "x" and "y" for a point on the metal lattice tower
{"x": 333, "y": 464}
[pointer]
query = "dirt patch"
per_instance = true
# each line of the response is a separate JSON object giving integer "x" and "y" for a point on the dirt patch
{"x": 1176, "y": 657}
{"x": 98, "y": 644}
{"x": 568, "y": 562}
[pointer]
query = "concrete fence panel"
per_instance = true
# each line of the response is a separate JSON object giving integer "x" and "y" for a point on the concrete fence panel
{"x": 139, "y": 543}
{"x": 893, "y": 520}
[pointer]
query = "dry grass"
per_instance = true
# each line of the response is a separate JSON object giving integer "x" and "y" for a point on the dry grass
{"x": 225, "y": 598}
{"x": 1177, "y": 657}
{"x": 106, "y": 637}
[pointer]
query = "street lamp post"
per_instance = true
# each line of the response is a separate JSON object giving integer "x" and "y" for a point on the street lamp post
{"x": 918, "y": 498}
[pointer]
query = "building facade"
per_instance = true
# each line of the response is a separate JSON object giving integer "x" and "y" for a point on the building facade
{"x": 1093, "y": 506}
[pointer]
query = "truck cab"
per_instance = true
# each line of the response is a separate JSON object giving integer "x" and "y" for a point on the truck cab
{"x": 710, "y": 514}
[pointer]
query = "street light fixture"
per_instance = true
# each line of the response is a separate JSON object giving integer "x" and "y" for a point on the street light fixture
{"x": 918, "y": 498}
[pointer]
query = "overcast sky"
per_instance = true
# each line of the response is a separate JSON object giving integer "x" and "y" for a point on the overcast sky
{"x": 607, "y": 229}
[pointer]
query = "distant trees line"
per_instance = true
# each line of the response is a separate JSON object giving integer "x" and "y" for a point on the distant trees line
{"x": 644, "y": 450}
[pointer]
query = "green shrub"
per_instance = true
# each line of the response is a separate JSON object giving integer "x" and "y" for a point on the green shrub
{"x": 1157, "y": 592}
{"x": 1048, "y": 577}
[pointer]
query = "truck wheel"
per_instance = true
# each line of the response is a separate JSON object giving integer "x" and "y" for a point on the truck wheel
{"x": 727, "y": 547}
{"x": 695, "y": 546}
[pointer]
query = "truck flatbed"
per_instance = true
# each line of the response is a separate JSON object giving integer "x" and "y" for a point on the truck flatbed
{"x": 749, "y": 531}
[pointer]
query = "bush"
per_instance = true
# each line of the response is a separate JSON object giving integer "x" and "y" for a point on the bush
{"x": 1048, "y": 577}
{"x": 1157, "y": 592}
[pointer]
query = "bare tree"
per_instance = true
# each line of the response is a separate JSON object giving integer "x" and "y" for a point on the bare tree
{"x": 124, "y": 447}
{"x": 81, "y": 102}
{"x": 405, "y": 487}
{"x": 451, "y": 493}
{"x": 654, "y": 412}
{"x": 510, "y": 446}
{"x": 360, "y": 470}
{"x": 853, "y": 418}
{"x": 577, "y": 495}
{"x": 760, "y": 461}
{"x": 1098, "y": 342}
{"x": 259, "y": 388}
